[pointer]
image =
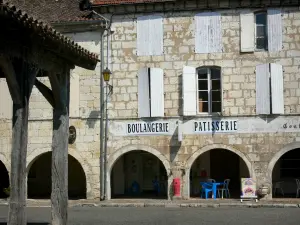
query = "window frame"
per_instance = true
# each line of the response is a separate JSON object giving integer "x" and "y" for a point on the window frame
{"x": 209, "y": 68}
{"x": 266, "y": 31}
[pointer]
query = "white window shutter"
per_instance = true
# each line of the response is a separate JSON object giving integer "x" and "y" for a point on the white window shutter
{"x": 6, "y": 103}
{"x": 262, "y": 89}
{"x": 189, "y": 91}
{"x": 157, "y": 92}
{"x": 247, "y": 31}
{"x": 74, "y": 95}
{"x": 143, "y": 93}
{"x": 143, "y": 35}
{"x": 274, "y": 30}
{"x": 202, "y": 23}
{"x": 277, "y": 88}
{"x": 215, "y": 33}
{"x": 156, "y": 35}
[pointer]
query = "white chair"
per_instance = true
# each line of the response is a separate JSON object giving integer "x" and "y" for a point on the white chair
{"x": 225, "y": 188}
{"x": 298, "y": 187}
{"x": 277, "y": 186}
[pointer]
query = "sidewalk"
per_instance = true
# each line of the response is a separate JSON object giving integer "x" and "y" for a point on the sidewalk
{"x": 200, "y": 203}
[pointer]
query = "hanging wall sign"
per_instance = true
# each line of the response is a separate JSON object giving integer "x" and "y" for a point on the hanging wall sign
{"x": 215, "y": 126}
{"x": 145, "y": 128}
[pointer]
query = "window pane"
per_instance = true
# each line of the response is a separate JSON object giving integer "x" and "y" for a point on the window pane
{"x": 202, "y": 73}
{"x": 261, "y": 18}
{"x": 215, "y": 73}
{"x": 203, "y": 95}
{"x": 216, "y": 85}
{"x": 203, "y": 106}
{"x": 216, "y": 106}
{"x": 260, "y": 31}
{"x": 216, "y": 95}
{"x": 202, "y": 85}
{"x": 261, "y": 43}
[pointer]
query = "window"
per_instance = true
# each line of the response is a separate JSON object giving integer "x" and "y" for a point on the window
{"x": 151, "y": 92}
{"x": 269, "y": 89}
{"x": 261, "y": 33}
{"x": 149, "y": 35}
{"x": 208, "y": 32}
{"x": 209, "y": 90}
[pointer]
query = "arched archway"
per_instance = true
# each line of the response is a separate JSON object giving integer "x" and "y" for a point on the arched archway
{"x": 39, "y": 178}
{"x": 220, "y": 162}
{"x": 130, "y": 156}
{"x": 4, "y": 182}
{"x": 34, "y": 154}
{"x": 284, "y": 169}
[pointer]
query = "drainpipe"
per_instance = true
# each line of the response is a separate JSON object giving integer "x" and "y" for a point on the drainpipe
{"x": 103, "y": 136}
{"x": 102, "y": 182}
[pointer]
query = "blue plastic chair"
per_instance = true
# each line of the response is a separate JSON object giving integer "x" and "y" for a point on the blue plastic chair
{"x": 206, "y": 188}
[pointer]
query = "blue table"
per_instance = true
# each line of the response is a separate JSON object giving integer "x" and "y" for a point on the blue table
{"x": 214, "y": 187}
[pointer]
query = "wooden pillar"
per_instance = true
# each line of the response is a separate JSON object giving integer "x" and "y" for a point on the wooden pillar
{"x": 20, "y": 77}
{"x": 59, "y": 195}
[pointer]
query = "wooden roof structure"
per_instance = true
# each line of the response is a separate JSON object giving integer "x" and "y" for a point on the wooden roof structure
{"x": 25, "y": 37}
{"x": 30, "y": 48}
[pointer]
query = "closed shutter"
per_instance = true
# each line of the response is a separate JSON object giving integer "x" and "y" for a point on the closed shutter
{"x": 143, "y": 93}
{"x": 262, "y": 89}
{"x": 157, "y": 92}
{"x": 189, "y": 91}
{"x": 156, "y": 35}
{"x": 6, "y": 103}
{"x": 274, "y": 30}
{"x": 74, "y": 95}
{"x": 215, "y": 33}
{"x": 202, "y": 22}
{"x": 277, "y": 89}
{"x": 247, "y": 31}
{"x": 143, "y": 36}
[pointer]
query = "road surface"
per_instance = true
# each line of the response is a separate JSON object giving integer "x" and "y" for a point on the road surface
{"x": 166, "y": 216}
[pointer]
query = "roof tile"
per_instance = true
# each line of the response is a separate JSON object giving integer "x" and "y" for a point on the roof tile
{"x": 119, "y": 2}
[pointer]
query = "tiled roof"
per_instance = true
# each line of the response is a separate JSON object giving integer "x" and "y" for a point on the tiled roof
{"x": 53, "y": 10}
{"x": 47, "y": 32}
{"x": 119, "y": 2}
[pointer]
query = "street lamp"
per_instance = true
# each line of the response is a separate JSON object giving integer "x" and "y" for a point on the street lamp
{"x": 106, "y": 77}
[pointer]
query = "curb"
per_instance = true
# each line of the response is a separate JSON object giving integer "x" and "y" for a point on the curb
{"x": 188, "y": 205}
{"x": 170, "y": 205}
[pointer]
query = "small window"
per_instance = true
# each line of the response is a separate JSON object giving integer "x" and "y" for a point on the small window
{"x": 209, "y": 90}
{"x": 261, "y": 34}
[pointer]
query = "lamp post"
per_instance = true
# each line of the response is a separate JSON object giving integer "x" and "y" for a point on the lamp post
{"x": 106, "y": 77}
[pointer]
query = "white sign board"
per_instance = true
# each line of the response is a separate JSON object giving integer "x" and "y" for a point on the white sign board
{"x": 215, "y": 126}
{"x": 248, "y": 188}
{"x": 140, "y": 128}
{"x": 146, "y": 128}
{"x": 204, "y": 126}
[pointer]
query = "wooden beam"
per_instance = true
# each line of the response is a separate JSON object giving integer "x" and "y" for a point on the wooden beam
{"x": 11, "y": 78}
{"x": 17, "y": 204}
{"x": 45, "y": 91}
{"x": 56, "y": 88}
{"x": 59, "y": 194}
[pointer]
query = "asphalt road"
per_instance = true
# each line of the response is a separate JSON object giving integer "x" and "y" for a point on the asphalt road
{"x": 165, "y": 216}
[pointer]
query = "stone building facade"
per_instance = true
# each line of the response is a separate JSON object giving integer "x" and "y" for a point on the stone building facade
{"x": 161, "y": 110}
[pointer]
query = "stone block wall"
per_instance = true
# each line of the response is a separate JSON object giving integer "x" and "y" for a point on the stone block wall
{"x": 258, "y": 150}
{"x": 238, "y": 69}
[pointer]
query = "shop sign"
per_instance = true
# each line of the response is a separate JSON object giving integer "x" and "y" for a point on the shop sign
{"x": 146, "y": 128}
{"x": 215, "y": 126}
{"x": 248, "y": 188}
